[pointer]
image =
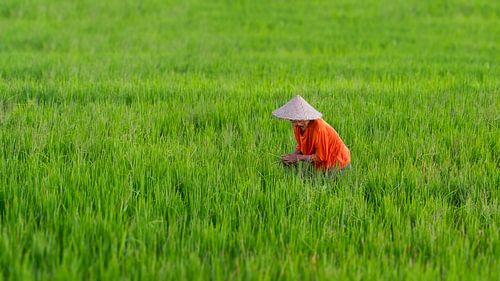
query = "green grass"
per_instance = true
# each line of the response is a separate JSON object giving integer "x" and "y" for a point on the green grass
{"x": 137, "y": 140}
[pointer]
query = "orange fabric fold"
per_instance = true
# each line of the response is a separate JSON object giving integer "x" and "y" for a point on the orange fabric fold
{"x": 321, "y": 139}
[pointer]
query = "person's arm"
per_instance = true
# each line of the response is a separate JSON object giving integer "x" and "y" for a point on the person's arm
{"x": 308, "y": 158}
{"x": 294, "y": 157}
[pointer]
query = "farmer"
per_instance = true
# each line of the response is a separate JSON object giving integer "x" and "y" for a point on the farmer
{"x": 317, "y": 142}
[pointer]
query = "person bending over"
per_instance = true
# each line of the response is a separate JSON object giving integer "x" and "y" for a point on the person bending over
{"x": 317, "y": 141}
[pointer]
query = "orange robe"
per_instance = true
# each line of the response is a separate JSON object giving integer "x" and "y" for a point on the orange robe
{"x": 321, "y": 139}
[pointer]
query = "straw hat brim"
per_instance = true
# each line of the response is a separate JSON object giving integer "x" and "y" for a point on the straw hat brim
{"x": 297, "y": 109}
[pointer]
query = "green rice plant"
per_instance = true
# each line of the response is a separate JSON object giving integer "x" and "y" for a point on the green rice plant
{"x": 137, "y": 140}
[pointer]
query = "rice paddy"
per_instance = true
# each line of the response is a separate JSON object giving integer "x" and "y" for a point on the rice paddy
{"x": 137, "y": 140}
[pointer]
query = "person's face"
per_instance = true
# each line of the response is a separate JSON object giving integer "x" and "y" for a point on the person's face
{"x": 302, "y": 124}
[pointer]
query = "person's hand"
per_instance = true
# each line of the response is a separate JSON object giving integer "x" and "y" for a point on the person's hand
{"x": 289, "y": 159}
{"x": 312, "y": 158}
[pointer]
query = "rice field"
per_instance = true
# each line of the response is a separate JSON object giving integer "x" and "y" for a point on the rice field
{"x": 137, "y": 141}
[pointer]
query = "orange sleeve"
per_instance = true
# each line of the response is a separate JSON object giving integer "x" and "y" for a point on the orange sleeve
{"x": 322, "y": 146}
{"x": 297, "y": 138}
{"x": 328, "y": 146}
{"x": 328, "y": 149}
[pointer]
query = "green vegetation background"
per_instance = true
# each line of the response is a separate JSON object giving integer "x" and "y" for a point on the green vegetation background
{"x": 137, "y": 140}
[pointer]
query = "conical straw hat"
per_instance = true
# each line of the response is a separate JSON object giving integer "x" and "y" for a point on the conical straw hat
{"x": 297, "y": 109}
